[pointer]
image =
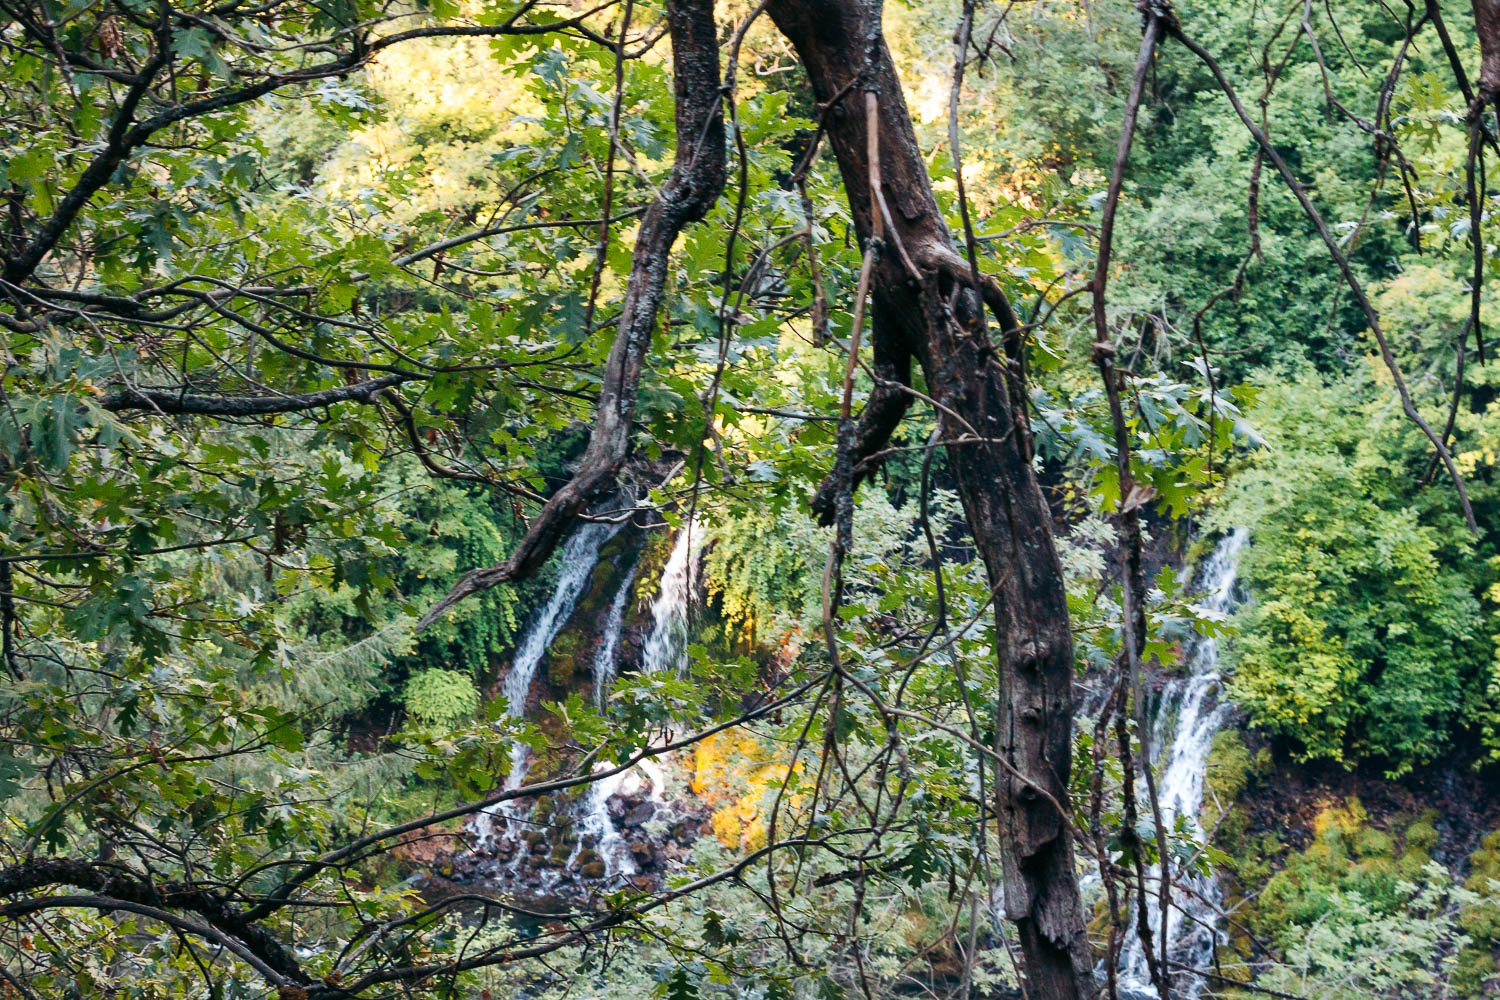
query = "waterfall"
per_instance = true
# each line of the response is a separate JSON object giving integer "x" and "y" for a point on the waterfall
{"x": 606, "y": 661}
{"x": 579, "y": 556}
{"x": 594, "y": 821}
{"x": 663, "y": 651}
{"x": 1188, "y": 717}
{"x": 669, "y": 612}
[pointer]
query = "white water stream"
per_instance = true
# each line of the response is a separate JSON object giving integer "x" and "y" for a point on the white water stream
{"x": 668, "y": 640}
{"x": 607, "y": 659}
{"x": 663, "y": 651}
{"x": 579, "y": 556}
{"x": 1189, "y": 715}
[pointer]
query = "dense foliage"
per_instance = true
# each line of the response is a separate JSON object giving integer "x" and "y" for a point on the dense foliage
{"x": 308, "y": 308}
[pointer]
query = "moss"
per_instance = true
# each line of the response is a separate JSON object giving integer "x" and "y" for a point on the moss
{"x": 562, "y": 658}
{"x": 1475, "y": 968}
{"x": 1482, "y": 923}
{"x": 1229, "y": 828}
{"x": 594, "y": 602}
{"x": 1422, "y": 837}
{"x": 1231, "y": 769}
{"x": 1369, "y": 842}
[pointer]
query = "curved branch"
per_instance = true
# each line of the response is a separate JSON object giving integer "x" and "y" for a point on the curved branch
{"x": 120, "y": 889}
{"x": 169, "y": 402}
{"x": 694, "y": 185}
{"x": 36, "y": 904}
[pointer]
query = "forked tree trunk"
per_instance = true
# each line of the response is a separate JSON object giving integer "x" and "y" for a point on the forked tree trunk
{"x": 940, "y": 320}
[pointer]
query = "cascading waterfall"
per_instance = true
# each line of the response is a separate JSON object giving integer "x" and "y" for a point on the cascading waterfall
{"x": 1188, "y": 717}
{"x": 579, "y": 556}
{"x": 669, "y": 612}
{"x": 594, "y": 821}
{"x": 663, "y": 651}
{"x": 601, "y": 852}
{"x": 607, "y": 660}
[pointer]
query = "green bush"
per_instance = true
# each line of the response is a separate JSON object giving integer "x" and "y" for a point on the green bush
{"x": 440, "y": 697}
{"x": 1367, "y": 639}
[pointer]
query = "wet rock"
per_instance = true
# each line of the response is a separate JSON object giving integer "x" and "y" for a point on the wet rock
{"x": 535, "y": 862}
{"x": 641, "y": 814}
{"x": 643, "y": 852}
{"x": 618, "y": 806}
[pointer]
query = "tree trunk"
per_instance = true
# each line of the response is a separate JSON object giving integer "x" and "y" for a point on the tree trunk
{"x": 939, "y": 319}
{"x": 1487, "y": 27}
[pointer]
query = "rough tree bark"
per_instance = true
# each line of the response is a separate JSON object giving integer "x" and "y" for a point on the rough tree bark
{"x": 928, "y": 306}
{"x": 699, "y": 169}
{"x": 937, "y": 316}
{"x": 1487, "y": 26}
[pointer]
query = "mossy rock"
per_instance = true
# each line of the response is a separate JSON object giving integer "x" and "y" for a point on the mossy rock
{"x": 562, "y": 658}
{"x": 602, "y": 585}
{"x": 654, "y": 556}
{"x": 1229, "y": 828}
{"x": 1232, "y": 768}
{"x": 593, "y": 870}
{"x": 1369, "y": 842}
{"x": 1422, "y": 837}
{"x": 1484, "y": 863}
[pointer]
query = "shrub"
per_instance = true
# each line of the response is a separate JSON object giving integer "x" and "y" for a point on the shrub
{"x": 440, "y": 697}
{"x": 1366, "y": 640}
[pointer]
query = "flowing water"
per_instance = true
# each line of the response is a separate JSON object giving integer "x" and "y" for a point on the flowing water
{"x": 1189, "y": 715}
{"x": 663, "y": 651}
{"x": 607, "y": 660}
{"x": 669, "y": 612}
{"x": 579, "y": 556}
{"x": 594, "y": 822}
{"x": 588, "y": 820}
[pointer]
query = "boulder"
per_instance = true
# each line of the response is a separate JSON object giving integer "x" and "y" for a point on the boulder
{"x": 641, "y": 814}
